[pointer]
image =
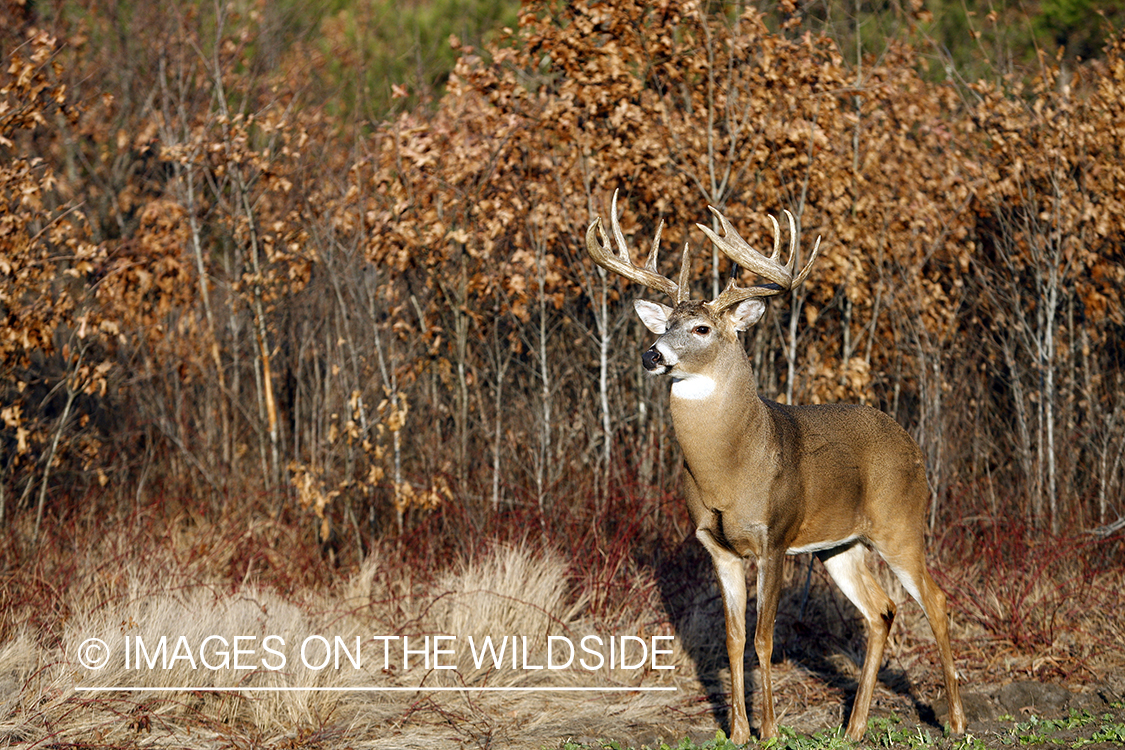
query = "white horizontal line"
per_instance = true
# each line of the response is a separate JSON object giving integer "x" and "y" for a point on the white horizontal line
{"x": 268, "y": 689}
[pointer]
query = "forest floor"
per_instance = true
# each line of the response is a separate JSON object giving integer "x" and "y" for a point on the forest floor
{"x": 1001, "y": 714}
{"x": 1039, "y": 647}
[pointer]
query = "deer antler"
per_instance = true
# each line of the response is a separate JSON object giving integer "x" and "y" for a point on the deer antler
{"x": 621, "y": 262}
{"x": 739, "y": 250}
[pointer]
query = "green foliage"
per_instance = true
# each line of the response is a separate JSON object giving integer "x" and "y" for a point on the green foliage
{"x": 1111, "y": 733}
{"x": 969, "y": 742}
{"x": 1080, "y": 27}
{"x": 788, "y": 739}
{"x": 1036, "y": 730}
{"x": 825, "y": 739}
{"x": 1039, "y": 731}
{"x": 887, "y": 732}
{"x": 969, "y": 40}
{"x": 386, "y": 55}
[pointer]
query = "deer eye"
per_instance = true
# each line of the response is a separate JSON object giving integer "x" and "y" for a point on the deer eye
{"x": 702, "y": 330}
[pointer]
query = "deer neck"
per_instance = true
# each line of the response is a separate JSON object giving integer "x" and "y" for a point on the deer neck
{"x": 718, "y": 417}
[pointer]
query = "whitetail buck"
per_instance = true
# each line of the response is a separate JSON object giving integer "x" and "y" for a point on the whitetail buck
{"x": 768, "y": 479}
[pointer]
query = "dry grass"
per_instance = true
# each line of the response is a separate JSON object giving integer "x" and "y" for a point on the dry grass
{"x": 509, "y": 591}
{"x": 1055, "y": 614}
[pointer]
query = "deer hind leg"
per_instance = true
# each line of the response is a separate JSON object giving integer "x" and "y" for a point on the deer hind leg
{"x": 921, "y": 586}
{"x": 732, "y": 580}
{"x": 850, "y": 572}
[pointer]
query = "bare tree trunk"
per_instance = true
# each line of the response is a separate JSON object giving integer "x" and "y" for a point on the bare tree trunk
{"x": 846, "y": 341}
{"x": 1023, "y": 430}
{"x": 1110, "y": 456}
{"x": 791, "y": 355}
{"x": 1049, "y": 392}
{"x": 938, "y": 420}
{"x": 235, "y": 326}
{"x": 603, "y": 391}
{"x": 714, "y": 196}
{"x": 269, "y": 404}
{"x": 502, "y": 357}
{"x": 497, "y": 437}
{"x": 930, "y": 418}
{"x": 873, "y": 325}
{"x": 461, "y": 333}
{"x": 185, "y": 183}
{"x": 71, "y": 393}
{"x": 542, "y": 465}
{"x": 726, "y": 164}
{"x": 797, "y": 298}
{"x": 390, "y": 384}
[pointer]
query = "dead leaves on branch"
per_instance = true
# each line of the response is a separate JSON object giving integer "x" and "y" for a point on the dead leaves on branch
{"x": 471, "y": 220}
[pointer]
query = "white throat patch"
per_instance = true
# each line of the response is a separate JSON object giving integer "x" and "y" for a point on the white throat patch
{"x": 693, "y": 387}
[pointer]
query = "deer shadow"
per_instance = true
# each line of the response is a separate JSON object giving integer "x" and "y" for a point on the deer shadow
{"x": 690, "y": 596}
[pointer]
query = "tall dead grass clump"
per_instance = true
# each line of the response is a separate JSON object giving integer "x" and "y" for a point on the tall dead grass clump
{"x": 512, "y": 592}
{"x": 171, "y": 687}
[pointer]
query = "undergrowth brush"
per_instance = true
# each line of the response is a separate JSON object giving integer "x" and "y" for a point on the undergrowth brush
{"x": 1046, "y": 609}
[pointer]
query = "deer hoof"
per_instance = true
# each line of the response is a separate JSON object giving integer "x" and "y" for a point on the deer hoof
{"x": 740, "y": 733}
{"x": 855, "y": 733}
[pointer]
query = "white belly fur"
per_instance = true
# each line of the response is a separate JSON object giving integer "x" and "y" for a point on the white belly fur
{"x": 820, "y": 546}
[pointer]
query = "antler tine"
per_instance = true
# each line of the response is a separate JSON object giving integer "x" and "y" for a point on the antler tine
{"x": 615, "y": 227}
{"x": 739, "y": 250}
{"x": 620, "y": 262}
{"x": 650, "y": 264}
{"x": 683, "y": 286}
{"x": 777, "y": 239}
{"x": 685, "y": 280}
{"x": 804, "y": 274}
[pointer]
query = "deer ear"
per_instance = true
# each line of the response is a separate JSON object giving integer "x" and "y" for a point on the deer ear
{"x": 653, "y": 315}
{"x": 746, "y": 313}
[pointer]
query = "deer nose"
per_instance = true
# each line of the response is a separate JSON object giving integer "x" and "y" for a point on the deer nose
{"x": 652, "y": 358}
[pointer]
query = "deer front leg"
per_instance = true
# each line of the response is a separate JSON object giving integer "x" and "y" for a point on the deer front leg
{"x": 732, "y": 580}
{"x": 769, "y": 591}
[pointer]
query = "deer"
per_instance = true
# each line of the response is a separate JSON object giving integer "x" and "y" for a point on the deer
{"x": 766, "y": 479}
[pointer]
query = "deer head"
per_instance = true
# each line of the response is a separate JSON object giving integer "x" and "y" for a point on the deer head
{"x": 693, "y": 334}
